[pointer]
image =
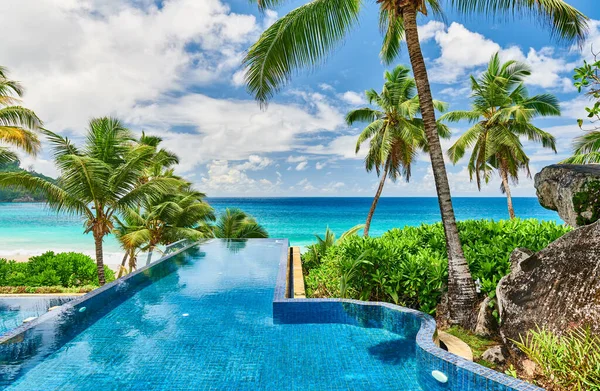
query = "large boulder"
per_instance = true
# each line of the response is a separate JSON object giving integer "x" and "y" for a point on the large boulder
{"x": 571, "y": 190}
{"x": 556, "y": 288}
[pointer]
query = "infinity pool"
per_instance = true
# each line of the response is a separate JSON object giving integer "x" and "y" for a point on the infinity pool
{"x": 14, "y": 310}
{"x": 208, "y": 325}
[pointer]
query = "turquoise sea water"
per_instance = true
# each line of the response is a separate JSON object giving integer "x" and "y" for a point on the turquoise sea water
{"x": 29, "y": 228}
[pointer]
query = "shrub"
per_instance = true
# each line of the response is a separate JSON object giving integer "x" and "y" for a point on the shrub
{"x": 409, "y": 266}
{"x": 571, "y": 361}
{"x": 49, "y": 269}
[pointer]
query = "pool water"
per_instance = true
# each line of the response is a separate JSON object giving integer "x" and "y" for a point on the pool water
{"x": 208, "y": 325}
{"x": 14, "y": 310}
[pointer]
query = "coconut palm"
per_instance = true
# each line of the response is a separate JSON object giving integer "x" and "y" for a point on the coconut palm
{"x": 17, "y": 124}
{"x": 99, "y": 180}
{"x": 396, "y": 135}
{"x": 181, "y": 215}
{"x": 501, "y": 114}
{"x": 586, "y": 149}
{"x": 305, "y": 36}
{"x": 237, "y": 224}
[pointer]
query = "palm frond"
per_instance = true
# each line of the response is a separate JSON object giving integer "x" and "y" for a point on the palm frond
{"x": 565, "y": 22}
{"x": 301, "y": 39}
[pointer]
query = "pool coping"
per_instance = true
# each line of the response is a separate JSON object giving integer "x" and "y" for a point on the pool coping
{"x": 425, "y": 335}
{"x": 14, "y": 334}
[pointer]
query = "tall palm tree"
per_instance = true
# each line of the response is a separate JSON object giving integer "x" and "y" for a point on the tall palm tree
{"x": 99, "y": 180}
{"x": 306, "y": 35}
{"x": 396, "y": 134}
{"x": 17, "y": 124}
{"x": 501, "y": 114}
{"x": 237, "y": 224}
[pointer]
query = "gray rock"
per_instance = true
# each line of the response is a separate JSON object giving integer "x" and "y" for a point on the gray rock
{"x": 557, "y": 184}
{"x": 486, "y": 324}
{"x": 556, "y": 288}
{"x": 494, "y": 355}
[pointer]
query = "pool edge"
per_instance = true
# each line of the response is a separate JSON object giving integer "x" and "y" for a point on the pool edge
{"x": 424, "y": 337}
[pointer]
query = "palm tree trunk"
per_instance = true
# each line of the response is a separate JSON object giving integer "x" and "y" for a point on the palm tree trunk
{"x": 99, "y": 258}
{"x": 504, "y": 176}
{"x": 461, "y": 288}
{"x": 376, "y": 199}
{"x": 123, "y": 264}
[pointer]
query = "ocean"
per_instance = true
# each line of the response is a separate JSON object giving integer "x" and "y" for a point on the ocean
{"x": 32, "y": 228}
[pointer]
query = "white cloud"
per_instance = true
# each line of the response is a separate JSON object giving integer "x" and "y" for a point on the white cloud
{"x": 296, "y": 159}
{"x": 320, "y": 165}
{"x": 342, "y": 146}
{"x": 255, "y": 163}
{"x": 232, "y": 129}
{"x": 301, "y": 166}
{"x": 428, "y": 31}
{"x": 80, "y": 59}
{"x": 353, "y": 98}
{"x": 326, "y": 87}
{"x": 463, "y": 51}
{"x": 223, "y": 178}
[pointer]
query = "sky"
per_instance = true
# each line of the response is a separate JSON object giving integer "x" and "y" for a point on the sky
{"x": 173, "y": 68}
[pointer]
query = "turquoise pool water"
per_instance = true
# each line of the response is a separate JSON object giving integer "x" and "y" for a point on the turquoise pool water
{"x": 208, "y": 325}
{"x": 13, "y": 310}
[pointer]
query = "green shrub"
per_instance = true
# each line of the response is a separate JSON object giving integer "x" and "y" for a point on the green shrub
{"x": 571, "y": 361}
{"x": 49, "y": 269}
{"x": 409, "y": 266}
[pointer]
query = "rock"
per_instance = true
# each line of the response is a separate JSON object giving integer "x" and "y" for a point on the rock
{"x": 557, "y": 288}
{"x": 486, "y": 324}
{"x": 518, "y": 255}
{"x": 571, "y": 190}
{"x": 25, "y": 198}
{"x": 528, "y": 367}
{"x": 494, "y": 355}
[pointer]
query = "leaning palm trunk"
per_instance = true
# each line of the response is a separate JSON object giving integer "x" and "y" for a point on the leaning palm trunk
{"x": 122, "y": 268}
{"x": 504, "y": 176}
{"x": 376, "y": 199}
{"x": 461, "y": 288}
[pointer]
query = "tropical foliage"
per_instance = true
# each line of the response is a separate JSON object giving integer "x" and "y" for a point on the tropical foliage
{"x": 98, "y": 180}
{"x": 586, "y": 148}
{"x": 18, "y": 125}
{"x": 181, "y": 215}
{"x": 570, "y": 361}
{"x": 67, "y": 270}
{"x": 306, "y": 35}
{"x": 312, "y": 257}
{"x": 394, "y": 132}
{"x": 409, "y": 266}
{"x": 234, "y": 223}
{"x": 501, "y": 115}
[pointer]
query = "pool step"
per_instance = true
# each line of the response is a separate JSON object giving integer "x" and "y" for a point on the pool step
{"x": 297, "y": 275}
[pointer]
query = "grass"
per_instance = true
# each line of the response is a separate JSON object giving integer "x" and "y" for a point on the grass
{"x": 12, "y": 290}
{"x": 477, "y": 344}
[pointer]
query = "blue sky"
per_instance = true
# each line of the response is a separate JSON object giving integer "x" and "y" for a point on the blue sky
{"x": 173, "y": 68}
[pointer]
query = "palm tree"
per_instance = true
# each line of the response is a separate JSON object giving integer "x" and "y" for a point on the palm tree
{"x": 306, "y": 35}
{"x": 237, "y": 224}
{"x": 586, "y": 149}
{"x": 181, "y": 215}
{"x": 99, "y": 180}
{"x": 396, "y": 134}
{"x": 501, "y": 114}
{"x": 17, "y": 124}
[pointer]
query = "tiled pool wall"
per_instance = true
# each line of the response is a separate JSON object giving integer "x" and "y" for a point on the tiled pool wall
{"x": 463, "y": 375}
{"x": 25, "y": 346}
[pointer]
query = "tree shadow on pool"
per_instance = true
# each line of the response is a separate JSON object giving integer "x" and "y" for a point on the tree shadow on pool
{"x": 394, "y": 352}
